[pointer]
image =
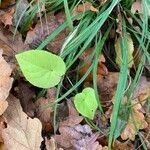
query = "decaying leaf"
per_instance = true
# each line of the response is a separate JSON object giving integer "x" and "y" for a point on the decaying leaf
{"x": 87, "y": 143}
{"x": 143, "y": 88}
{"x": 136, "y": 118}
{"x": 22, "y": 132}
{"x": 44, "y": 110}
{"x": 73, "y": 136}
{"x": 107, "y": 86}
{"x": 122, "y": 146}
{"x": 50, "y": 144}
{"x": 8, "y": 17}
{"x": 40, "y": 32}
{"x": 21, "y": 7}
{"x": 137, "y": 7}
{"x": 26, "y": 100}
{"x": 5, "y": 83}
{"x": 3, "y": 106}
{"x": 73, "y": 118}
{"x": 9, "y": 45}
{"x": 130, "y": 51}
{"x": 3, "y": 125}
{"x": 81, "y": 8}
{"x": 101, "y": 70}
{"x": 6, "y": 3}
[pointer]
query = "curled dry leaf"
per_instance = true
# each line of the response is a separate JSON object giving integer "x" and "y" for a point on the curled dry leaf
{"x": 5, "y": 83}
{"x": 137, "y": 120}
{"x": 22, "y": 132}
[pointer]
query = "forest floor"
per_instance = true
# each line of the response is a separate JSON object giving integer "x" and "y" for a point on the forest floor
{"x": 74, "y": 75}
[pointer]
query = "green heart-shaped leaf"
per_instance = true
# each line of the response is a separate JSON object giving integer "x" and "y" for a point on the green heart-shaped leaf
{"x": 41, "y": 68}
{"x": 86, "y": 103}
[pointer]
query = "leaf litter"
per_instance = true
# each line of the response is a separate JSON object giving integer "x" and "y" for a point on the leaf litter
{"x": 27, "y": 120}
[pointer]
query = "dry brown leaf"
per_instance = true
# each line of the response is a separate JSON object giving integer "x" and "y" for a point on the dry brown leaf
{"x": 101, "y": 70}
{"x": 6, "y": 3}
{"x": 3, "y": 125}
{"x": 139, "y": 121}
{"x": 41, "y": 31}
{"x": 44, "y": 111}
{"x": 73, "y": 118}
{"x": 22, "y": 132}
{"x": 87, "y": 142}
{"x": 142, "y": 89}
{"x": 122, "y": 146}
{"x": 3, "y": 106}
{"x": 137, "y": 7}
{"x": 50, "y": 144}
{"x": 5, "y": 83}
{"x": 2, "y": 146}
{"x": 21, "y": 7}
{"x": 107, "y": 86}
{"x": 79, "y": 136}
{"x": 81, "y": 8}
{"x": 8, "y": 17}
{"x": 9, "y": 45}
{"x": 26, "y": 94}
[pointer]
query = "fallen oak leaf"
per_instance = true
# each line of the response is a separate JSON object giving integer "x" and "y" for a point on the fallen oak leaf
{"x": 5, "y": 83}
{"x": 22, "y": 132}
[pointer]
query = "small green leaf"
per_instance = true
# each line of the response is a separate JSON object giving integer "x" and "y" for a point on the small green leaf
{"x": 41, "y": 68}
{"x": 86, "y": 103}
